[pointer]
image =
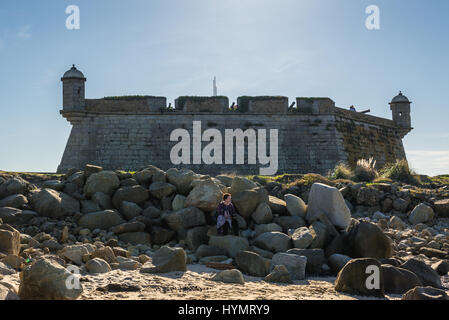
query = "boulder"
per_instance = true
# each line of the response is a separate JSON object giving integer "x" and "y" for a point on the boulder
{"x": 230, "y": 244}
{"x": 75, "y": 253}
{"x": 398, "y": 280}
{"x": 105, "y": 253}
{"x": 101, "y": 220}
{"x": 54, "y": 204}
{"x": 88, "y": 206}
{"x": 442, "y": 208}
{"x": 368, "y": 197}
{"x": 6, "y": 270}
{"x": 14, "y": 261}
{"x": 152, "y": 212}
{"x": 178, "y": 202}
{"x": 400, "y": 204}
{"x": 105, "y": 182}
{"x": 355, "y": 276}
{"x": 296, "y": 265}
{"x": 225, "y": 180}
{"x": 130, "y": 210}
{"x": 295, "y": 205}
{"x": 134, "y": 226}
{"x": 396, "y": 223}
{"x": 247, "y": 201}
{"x": 323, "y": 198}
{"x": 47, "y": 280}
{"x": 433, "y": 253}
{"x": 425, "y": 293}
{"x": 181, "y": 179}
{"x": 196, "y": 237}
{"x": 166, "y": 260}
{"x": 425, "y": 273}
{"x": 302, "y": 238}
{"x": 421, "y": 213}
{"x": 14, "y": 201}
{"x": 135, "y": 238}
{"x": 136, "y": 194}
{"x": 269, "y": 227}
{"x": 185, "y": 218}
{"x": 277, "y": 206}
{"x": 320, "y": 235}
{"x": 229, "y": 276}
{"x": 205, "y": 250}
{"x": 206, "y": 195}
{"x": 273, "y": 241}
{"x": 90, "y": 169}
{"x": 315, "y": 259}
{"x": 98, "y": 265}
{"x": 289, "y": 222}
{"x": 9, "y": 240}
{"x": 251, "y": 263}
{"x": 367, "y": 240}
{"x": 10, "y": 215}
{"x": 103, "y": 200}
{"x": 160, "y": 235}
{"x": 12, "y": 186}
{"x": 240, "y": 184}
{"x": 262, "y": 214}
{"x": 279, "y": 274}
{"x": 441, "y": 267}
{"x": 160, "y": 190}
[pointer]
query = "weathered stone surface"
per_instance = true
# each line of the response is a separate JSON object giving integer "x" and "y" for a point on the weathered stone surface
{"x": 295, "y": 205}
{"x": 323, "y": 198}
{"x": 262, "y": 214}
{"x": 166, "y": 260}
{"x": 442, "y": 208}
{"x": 46, "y": 280}
{"x": 178, "y": 202}
{"x": 396, "y": 223}
{"x": 441, "y": 267}
{"x": 433, "y": 253}
{"x": 289, "y": 222}
{"x": 6, "y": 270}
{"x": 185, "y": 218}
{"x": 398, "y": 280}
{"x": 181, "y": 179}
{"x": 425, "y": 293}
{"x": 54, "y": 204}
{"x": 247, "y": 201}
{"x": 367, "y": 240}
{"x": 320, "y": 235}
{"x": 205, "y": 250}
{"x": 103, "y": 200}
{"x": 302, "y": 238}
{"x": 196, "y": 237}
{"x": 400, "y": 204}
{"x": 230, "y": 244}
{"x": 9, "y": 240}
{"x": 12, "y": 186}
{"x": 315, "y": 259}
{"x": 273, "y": 241}
{"x": 130, "y": 210}
{"x": 278, "y": 206}
{"x": 279, "y": 274}
{"x": 134, "y": 226}
{"x": 206, "y": 195}
{"x": 425, "y": 273}
{"x": 269, "y": 227}
{"x": 98, "y": 265}
{"x": 160, "y": 190}
{"x": 135, "y": 238}
{"x": 296, "y": 265}
{"x": 251, "y": 263}
{"x": 229, "y": 276}
{"x": 101, "y": 220}
{"x": 10, "y": 215}
{"x": 353, "y": 278}
{"x": 421, "y": 213}
{"x": 105, "y": 253}
{"x": 75, "y": 253}
{"x": 240, "y": 184}
{"x": 88, "y": 206}
{"x": 105, "y": 182}
{"x": 152, "y": 212}
{"x": 160, "y": 236}
{"x": 338, "y": 261}
{"x": 14, "y": 201}
{"x": 136, "y": 194}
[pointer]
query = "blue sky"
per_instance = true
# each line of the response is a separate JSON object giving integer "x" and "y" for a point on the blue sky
{"x": 254, "y": 47}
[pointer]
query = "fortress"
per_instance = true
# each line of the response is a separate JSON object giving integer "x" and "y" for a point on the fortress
{"x": 132, "y": 132}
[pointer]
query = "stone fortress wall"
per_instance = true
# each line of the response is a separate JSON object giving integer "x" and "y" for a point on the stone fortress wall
{"x": 129, "y": 133}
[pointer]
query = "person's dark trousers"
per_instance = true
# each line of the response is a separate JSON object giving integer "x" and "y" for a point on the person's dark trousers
{"x": 225, "y": 229}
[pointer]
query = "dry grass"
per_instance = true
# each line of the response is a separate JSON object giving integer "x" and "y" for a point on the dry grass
{"x": 365, "y": 170}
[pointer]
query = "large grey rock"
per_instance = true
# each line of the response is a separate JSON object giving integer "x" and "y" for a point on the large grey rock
{"x": 247, "y": 201}
{"x": 269, "y": 227}
{"x": 262, "y": 214}
{"x": 160, "y": 235}
{"x": 196, "y": 237}
{"x": 9, "y": 240}
{"x": 425, "y": 273}
{"x": 278, "y": 206}
{"x": 105, "y": 181}
{"x": 130, "y": 210}
{"x": 185, "y": 218}
{"x": 399, "y": 280}
{"x": 103, "y": 200}
{"x": 400, "y": 204}
{"x": 230, "y": 244}
{"x": 205, "y": 250}
{"x": 178, "y": 202}
{"x": 295, "y": 205}
{"x": 302, "y": 238}
{"x": 206, "y": 195}
{"x": 279, "y": 274}
{"x": 88, "y": 206}
{"x": 252, "y": 264}
{"x": 289, "y": 222}
{"x": 323, "y": 198}
{"x": 134, "y": 226}
{"x": 353, "y": 278}
{"x": 425, "y": 293}
{"x": 320, "y": 235}
{"x": 136, "y": 194}
{"x": 338, "y": 261}
{"x": 240, "y": 184}
{"x": 10, "y": 215}
{"x": 54, "y": 204}
{"x": 6, "y": 270}
{"x": 166, "y": 260}
{"x": 181, "y": 179}
{"x": 101, "y": 220}
{"x": 75, "y": 253}
{"x": 12, "y": 186}
{"x": 160, "y": 190}
{"x": 229, "y": 276}
{"x": 47, "y": 280}
{"x": 14, "y": 201}
{"x": 442, "y": 208}
{"x": 135, "y": 238}
{"x": 368, "y": 197}
{"x": 296, "y": 265}
{"x": 315, "y": 259}
{"x": 273, "y": 241}
{"x": 421, "y": 213}
{"x": 98, "y": 265}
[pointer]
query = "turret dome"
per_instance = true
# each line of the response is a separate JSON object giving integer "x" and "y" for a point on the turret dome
{"x": 73, "y": 73}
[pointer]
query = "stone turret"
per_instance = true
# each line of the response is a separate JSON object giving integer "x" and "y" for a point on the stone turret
{"x": 400, "y": 107}
{"x": 73, "y": 89}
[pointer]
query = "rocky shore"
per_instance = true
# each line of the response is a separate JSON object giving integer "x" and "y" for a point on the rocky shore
{"x": 98, "y": 234}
